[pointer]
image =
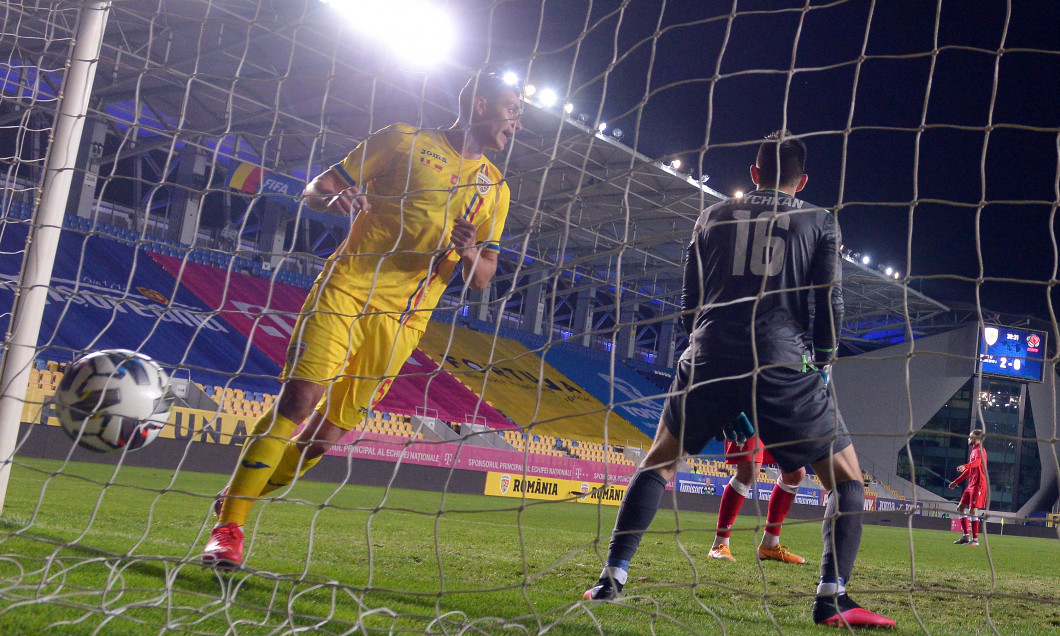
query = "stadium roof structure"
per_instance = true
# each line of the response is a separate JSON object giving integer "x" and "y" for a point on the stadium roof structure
{"x": 282, "y": 86}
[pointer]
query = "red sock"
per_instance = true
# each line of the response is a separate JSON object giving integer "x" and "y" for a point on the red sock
{"x": 731, "y": 501}
{"x": 975, "y": 528}
{"x": 779, "y": 506}
{"x": 964, "y": 524}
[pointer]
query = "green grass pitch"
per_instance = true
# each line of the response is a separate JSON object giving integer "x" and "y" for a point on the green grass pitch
{"x": 87, "y": 549}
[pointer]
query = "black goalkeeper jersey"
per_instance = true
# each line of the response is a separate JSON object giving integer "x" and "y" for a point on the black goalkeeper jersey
{"x": 758, "y": 260}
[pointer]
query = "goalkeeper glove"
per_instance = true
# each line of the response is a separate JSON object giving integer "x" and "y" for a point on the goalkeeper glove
{"x": 740, "y": 430}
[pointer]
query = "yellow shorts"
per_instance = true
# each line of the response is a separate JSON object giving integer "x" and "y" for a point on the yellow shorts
{"x": 353, "y": 350}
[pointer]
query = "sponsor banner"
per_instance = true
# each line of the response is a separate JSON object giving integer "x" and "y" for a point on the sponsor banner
{"x": 712, "y": 485}
{"x": 886, "y": 504}
{"x": 955, "y": 525}
{"x": 870, "y": 502}
{"x": 536, "y": 396}
{"x": 696, "y": 484}
{"x": 809, "y": 496}
{"x": 462, "y": 456}
{"x": 184, "y": 424}
{"x": 519, "y": 486}
{"x": 252, "y": 179}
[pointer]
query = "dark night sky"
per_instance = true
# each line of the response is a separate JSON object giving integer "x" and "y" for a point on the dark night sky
{"x": 871, "y": 174}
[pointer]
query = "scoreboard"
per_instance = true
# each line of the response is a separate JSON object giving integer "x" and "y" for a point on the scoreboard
{"x": 1012, "y": 353}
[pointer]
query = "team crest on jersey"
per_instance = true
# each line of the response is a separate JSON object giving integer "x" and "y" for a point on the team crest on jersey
{"x": 506, "y": 483}
{"x": 483, "y": 180}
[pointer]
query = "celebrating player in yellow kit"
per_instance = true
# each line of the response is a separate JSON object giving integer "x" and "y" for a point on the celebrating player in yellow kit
{"x": 425, "y": 201}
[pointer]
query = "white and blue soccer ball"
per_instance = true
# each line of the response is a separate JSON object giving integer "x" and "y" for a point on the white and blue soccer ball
{"x": 113, "y": 400}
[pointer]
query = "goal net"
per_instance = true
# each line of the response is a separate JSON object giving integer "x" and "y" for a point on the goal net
{"x": 154, "y": 157}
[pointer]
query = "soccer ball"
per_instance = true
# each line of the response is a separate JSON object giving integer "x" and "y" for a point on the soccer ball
{"x": 113, "y": 400}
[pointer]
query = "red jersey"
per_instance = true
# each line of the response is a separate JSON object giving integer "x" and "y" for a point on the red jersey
{"x": 975, "y": 470}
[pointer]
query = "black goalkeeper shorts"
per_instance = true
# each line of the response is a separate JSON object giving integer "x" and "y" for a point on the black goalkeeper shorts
{"x": 797, "y": 419}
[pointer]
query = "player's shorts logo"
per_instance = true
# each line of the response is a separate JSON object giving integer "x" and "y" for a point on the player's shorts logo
{"x": 990, "y": 334}
{"x": 1033, "y": 340}
{"x": 506, "y": 483}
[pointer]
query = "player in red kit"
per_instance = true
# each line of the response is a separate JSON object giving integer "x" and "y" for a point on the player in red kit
{"x": 975, "y": 492}
{"x": 748, "y": 456}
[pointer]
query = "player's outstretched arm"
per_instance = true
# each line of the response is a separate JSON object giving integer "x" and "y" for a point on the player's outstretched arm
{"x": 963, "y": 475}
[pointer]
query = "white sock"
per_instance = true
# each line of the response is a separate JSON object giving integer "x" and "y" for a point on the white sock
{"x": 617, "y": 574}
{"x": 770, "y": 540}
{"x": 720, "y": 541}
{"x": 831, "y": 589}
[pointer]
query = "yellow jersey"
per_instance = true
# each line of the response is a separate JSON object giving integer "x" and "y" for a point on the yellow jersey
{"x": 398, "y": 257}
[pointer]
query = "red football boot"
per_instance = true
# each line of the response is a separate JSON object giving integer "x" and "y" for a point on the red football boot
{"x": 840, "y": 611}
{"x": 224, "y": 550}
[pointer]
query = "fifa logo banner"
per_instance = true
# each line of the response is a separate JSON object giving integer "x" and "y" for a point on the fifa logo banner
{"x": 521, "y": 486}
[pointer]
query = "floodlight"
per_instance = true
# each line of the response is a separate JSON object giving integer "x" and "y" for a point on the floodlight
{"x": 889, "y": 271}
{"x": 865, "y": 260}
{"x": 676, "y": 164}
{"x": 897, "y": 275}
{"x": 704, "y": 178}
{"x": 617, "y": 133}
{"x": 548, "y": 97}
{"x": 568, "y": 108}
{"x": 529, "y": 90}
{"x": 739, "y": 194}
{"x": 602, "y": 126}
{"x": 510, "y": 78}
{"x": 407, "y": 25}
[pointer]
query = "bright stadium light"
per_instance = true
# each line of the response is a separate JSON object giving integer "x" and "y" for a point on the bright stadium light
{"x": 529, "y": 90}
{"x": 510, "y": 78}
{"x": 865, "y": 260}
{"x": 548, "y": 97}
{"x": 739, "y": 194}
{"x": 888, "y": 271}
{"x": 897, "y": 275}
{"x": 676, "y": 164}
{"x": 617, "y": 133}
{"x": 404, "y": 25}
{"x": 602, "y": 126}
{"x": 568, "y": 108}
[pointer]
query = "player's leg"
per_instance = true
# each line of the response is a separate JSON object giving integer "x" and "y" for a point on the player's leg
{"x": 636, "y": 513}
{"x": 962, "y": 513}
{"x": 304, "y": 451}
{"x": 973, "y": 514}
{"x": 780, "y": 501}
{"x": 265, "y": 444}
{"x": 383, "y": 345}
{"x": 317, "y": 353}
{"x": 257, "y": 463}
{"x": 733, "y": 497}
{"x": 841, "y": 533}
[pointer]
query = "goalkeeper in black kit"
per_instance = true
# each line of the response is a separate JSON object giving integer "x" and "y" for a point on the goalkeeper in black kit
{"x": 749, "y": 271}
